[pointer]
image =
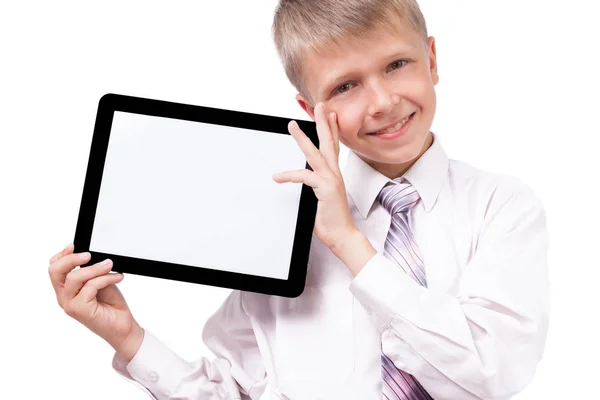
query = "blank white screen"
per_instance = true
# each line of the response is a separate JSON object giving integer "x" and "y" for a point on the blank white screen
{"x": 198, "y": 194}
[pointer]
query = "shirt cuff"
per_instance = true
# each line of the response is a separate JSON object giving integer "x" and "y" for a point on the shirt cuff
{"x": 386, "y": 292}
{"x": 155, "y": 366}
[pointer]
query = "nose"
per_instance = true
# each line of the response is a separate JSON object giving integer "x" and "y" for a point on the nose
{"x": 382, "y": 99}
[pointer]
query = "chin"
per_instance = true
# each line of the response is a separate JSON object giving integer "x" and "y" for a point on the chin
{"x": 399, "y": 156}
{"x": 393, "y": 155}
{"x": 401, "y": 152}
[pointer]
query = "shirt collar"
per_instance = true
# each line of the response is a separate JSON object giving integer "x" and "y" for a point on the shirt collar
{"x": 427, "y": 175}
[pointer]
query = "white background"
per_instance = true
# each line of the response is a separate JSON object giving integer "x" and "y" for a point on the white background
{"x": 517, "y": 94}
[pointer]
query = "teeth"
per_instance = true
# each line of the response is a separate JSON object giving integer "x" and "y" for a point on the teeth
{"x": 393, "y": 128}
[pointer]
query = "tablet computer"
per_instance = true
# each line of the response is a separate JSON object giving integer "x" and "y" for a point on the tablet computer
{"x": 185, "y": 192}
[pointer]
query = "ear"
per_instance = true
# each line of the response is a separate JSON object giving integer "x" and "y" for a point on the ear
{"x": 433, "y": 71}
{"x": 306, "y": 106}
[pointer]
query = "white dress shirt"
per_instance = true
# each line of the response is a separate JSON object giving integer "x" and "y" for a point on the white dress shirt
{"x": 476, "y": 332}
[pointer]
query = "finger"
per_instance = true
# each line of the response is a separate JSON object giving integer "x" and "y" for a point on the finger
{"x": 335, "y": 133}
{"x": 313, "y": 156}
{"x": 305, "y": 176}
{"x": 90, "y": 290}
{"x": 335, "y": 164}
{"x": 76, "y": 279}
{"x": 326, "y": 145}
{"x": 60, "y": 268}
{"x": 62, "y": 253}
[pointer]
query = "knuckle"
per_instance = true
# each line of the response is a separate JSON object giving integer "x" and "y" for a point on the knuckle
{"x": 92, "y": 283}
{"x": 70, "y": 309}
{"x": 72, "y": 276}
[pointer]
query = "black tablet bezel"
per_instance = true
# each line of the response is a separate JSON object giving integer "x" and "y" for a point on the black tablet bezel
{"x": 108, "y": 104}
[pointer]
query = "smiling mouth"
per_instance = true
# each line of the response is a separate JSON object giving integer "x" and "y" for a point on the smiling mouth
{"x": 394, "y": 128}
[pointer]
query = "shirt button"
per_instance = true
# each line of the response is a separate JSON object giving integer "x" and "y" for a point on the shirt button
{"x": 153, "y": 376}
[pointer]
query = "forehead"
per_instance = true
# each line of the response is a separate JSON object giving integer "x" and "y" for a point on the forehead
{"x": 351, "y": 56}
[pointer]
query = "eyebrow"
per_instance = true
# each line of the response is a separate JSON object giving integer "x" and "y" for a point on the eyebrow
{"x": 336, "y": 77}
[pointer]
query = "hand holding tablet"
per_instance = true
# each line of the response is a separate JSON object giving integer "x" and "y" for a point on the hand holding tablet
{"x": 186, "y": 193}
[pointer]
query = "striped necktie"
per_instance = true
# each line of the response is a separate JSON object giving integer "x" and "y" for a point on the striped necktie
{"x": 398, "y": 198}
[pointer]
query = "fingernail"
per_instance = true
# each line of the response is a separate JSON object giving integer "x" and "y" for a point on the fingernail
{"x": 105, "y": 262}
{"x": 84, "y": 255}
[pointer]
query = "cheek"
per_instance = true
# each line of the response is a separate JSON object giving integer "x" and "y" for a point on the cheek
{"x": 424, "y": 91}
{"x": 432, "y": 100}
{"x": 428, "y": 102}
{"x": 416, "y": 91}
{"x": 349, "y": 124}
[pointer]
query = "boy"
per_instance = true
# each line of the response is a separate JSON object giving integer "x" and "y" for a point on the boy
{"x": 427, "y": 277}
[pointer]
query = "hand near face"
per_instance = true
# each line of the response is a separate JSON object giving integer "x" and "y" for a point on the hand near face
{"x": 333, "y": 221}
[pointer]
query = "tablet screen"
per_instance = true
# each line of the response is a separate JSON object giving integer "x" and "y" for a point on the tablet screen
{"x": 198, "y": 194}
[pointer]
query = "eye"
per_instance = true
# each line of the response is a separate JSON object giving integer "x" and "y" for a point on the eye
{"x": 397, "y": 62}
{"x": 338, "y": 91}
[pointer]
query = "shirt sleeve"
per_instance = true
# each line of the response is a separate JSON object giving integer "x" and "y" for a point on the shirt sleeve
{"x": 237, "y": 371}
{"x": 486, "y": 341}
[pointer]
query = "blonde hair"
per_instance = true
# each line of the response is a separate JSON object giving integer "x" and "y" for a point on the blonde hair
{"x": 301, "y": 25}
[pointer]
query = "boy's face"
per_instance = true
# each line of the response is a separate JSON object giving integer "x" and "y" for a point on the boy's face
{"x": 374, "y": 84}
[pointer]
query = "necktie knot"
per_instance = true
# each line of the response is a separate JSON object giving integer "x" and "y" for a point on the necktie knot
{"x": 398, "y": 196}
